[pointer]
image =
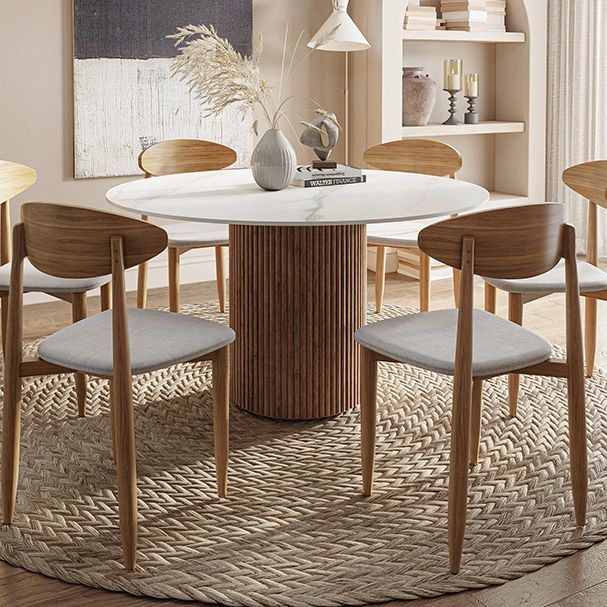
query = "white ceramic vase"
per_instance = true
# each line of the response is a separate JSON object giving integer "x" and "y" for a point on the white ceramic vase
{"x": 273, "y": 161}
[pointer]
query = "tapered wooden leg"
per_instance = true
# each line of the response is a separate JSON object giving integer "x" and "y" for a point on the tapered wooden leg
{"x": 4, "y": 312}
{"x": 122, "y": 410}
{"x": 368, "y": 397}
{"x": 221, "y": 418}
{"x": 142, "y": 285}
{"x": 578, "y": 446}
{"x": 106, "y": 296}
{"x": 126, "y": 468}
{"x": 221, "y": 277}
{"x": 515, "y": 314}
{"x": 490, "y": 298}
{"x": 112, "y": 418}
{"x": 476, "y": 420}
{"x": 79, "y": 313}
{"x": 380, "y": 278}
{"x": 12, "y": 384}
{"x": 590, "y": 337}
{"x": 173, "y": 279}
{"x": 458, "y": 473}
{"x": 424, "y": 282}
{"x": 10, "y": 442}
{"x": 456, "y": 279}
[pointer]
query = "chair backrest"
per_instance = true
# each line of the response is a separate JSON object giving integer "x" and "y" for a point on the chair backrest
{"x": 185, "y": 156}
{"x": 14, "y": 179}
{"x": 517, "y": 242}
{"x": 75, "y": 242}
{"x": 589, "y": 180}
{"x": 415, "y": 156}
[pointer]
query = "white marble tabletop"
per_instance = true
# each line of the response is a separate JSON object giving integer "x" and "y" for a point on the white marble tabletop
{"x": 232, "y": 197}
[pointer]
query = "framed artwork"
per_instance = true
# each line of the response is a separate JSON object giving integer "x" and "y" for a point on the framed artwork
{"x": 125, "y": 98}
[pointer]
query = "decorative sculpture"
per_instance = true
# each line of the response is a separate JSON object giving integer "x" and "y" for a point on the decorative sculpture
{"x": 325, "y": 124}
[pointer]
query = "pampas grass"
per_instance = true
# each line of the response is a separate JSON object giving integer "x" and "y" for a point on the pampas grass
{"x": 219, "y": 76}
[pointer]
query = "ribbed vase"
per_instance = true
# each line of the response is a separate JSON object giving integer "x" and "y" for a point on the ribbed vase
{"x": 273, "y": 161}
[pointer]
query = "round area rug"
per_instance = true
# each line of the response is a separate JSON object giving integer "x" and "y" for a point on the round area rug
{"x": 295, "y": 530}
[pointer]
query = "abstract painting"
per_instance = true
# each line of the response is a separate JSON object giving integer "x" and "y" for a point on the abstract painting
{"x": 125, "y": 98}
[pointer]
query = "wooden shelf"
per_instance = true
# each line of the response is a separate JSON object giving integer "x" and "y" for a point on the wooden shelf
{"x": 455, "y": 36}
{"x": 491, "y": 127}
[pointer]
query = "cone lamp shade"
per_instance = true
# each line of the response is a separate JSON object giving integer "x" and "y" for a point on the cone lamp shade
{"x": 347, "y": 37}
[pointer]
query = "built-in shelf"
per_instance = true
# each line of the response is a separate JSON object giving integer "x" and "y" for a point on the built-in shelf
{"x": 491, "y": 127}
{"x": 455, "y": 36}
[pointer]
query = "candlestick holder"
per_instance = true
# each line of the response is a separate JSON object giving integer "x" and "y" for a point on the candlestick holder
{"x": 471, "y": 116}
{"x": 452, "y": 106}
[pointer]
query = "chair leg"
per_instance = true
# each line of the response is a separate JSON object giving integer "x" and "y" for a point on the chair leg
{"x": 368, "y": 397}
{"x": 380, "y": 278}
{"x": 106, "y": 296}
{"x": 577, "y": 442}
{"x": 124, "y": 440}
{"x": 142, "y": 285}
{"x": 456, "y": 277}
{"x": 221, "y": 278}
{"x": 458, "y": 476}
{"x": 490, "y": 298}
{"x": 10, "y": 442}
{"x": 79, "y": 313}
{"x": 4, "y": 312}
{"x": 424, "y": 282}
{"x": 221, "y": 418}
{"x": 173, "y": 279}
{"x": 590, "y": 337}
{"x": 515, "y": 314}
{"x": 476, "y": 420}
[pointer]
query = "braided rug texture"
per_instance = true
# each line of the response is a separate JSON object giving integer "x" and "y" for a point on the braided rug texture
{"x": 295, "y": 530}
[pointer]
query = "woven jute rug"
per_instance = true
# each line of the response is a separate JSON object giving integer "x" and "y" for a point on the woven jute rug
{"x": 295, "y": 530}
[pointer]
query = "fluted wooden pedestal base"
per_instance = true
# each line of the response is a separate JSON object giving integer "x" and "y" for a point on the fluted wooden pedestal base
{"x": 297, "y": 295}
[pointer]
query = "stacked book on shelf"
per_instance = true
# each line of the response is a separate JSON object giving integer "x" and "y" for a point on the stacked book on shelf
{"x": 496, "y": 15}
{"x": 421, "y": 18}
{"x": 465, "y": 15}
{"x": 314, "y": 177}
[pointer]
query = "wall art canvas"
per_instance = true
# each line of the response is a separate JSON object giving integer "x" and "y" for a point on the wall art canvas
{"x": 125, "y": 98}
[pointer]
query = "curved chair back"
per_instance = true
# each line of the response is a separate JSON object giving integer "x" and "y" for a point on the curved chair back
{"x": 415, "y": 156}
{"x": 76, "y": 242}
{"x": 517, "y": 242}
{"x": 589, "y": 180}
{"x": 14, "y": 179}
{"x": 185, "y": 156}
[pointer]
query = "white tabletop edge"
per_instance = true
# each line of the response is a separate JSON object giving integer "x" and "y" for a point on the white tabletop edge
{"x": 400, "y": 211}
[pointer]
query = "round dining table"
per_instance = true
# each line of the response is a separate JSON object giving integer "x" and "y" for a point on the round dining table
{"x": 298, "y": 273}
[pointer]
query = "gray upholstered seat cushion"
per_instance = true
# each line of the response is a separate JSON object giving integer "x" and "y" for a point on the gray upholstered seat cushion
{"x": 36, "y": 281}
{"x": 401, "y": 234}
{"x": 427, "y": 340}
{"x": 196, "y": 234}
{"x": 590, "y": 278}
{"x": 157, "y": 340}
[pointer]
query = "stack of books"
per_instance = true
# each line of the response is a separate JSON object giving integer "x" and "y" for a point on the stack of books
{"x": 496, "y": 15}
{"x": 311, "y": 177}
{"x": 421, "y": 18}
{"x": 465, "y": 15}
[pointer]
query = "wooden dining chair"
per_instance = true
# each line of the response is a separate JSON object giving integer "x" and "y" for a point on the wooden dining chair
{"x": 76, "y": 243}
{"x": 186, "y": 156}
{"x": 14, "y": 179}
{"x": 411, "y": 156}
{"x": 590, "y": 181}
{"x": 473, "y": 345}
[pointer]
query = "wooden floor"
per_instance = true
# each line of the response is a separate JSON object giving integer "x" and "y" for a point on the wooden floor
{"x": 577, "y": 581}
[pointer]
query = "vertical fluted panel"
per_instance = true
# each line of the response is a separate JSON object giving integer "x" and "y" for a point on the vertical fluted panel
{"x": 297, "y": 295}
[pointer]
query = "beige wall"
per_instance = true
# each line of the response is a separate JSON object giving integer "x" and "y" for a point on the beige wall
{"x": 36, "y": 102}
